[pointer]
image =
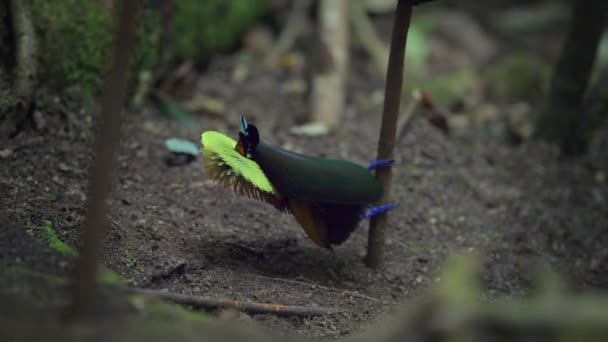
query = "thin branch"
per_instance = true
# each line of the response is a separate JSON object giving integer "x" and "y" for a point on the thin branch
{"x": 309, "y": 284}
{"x": 403, "y": 244}
{"x": 26, "y": 52}
{"x": 248, "y": 307}
{"x": 388, "y": 130}
{"x": 368, "y": 37}
{"x": 296, "y": 22}
{"x": 116, "y": 224}
{"x": 85, "y": 280}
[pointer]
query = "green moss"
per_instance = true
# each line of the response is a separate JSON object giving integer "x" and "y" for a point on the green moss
{"x": 202, "y": 27}
{"x": 76, "y": 40}
{"x": 54, "y": 242}
{"x": 77, "y": 37}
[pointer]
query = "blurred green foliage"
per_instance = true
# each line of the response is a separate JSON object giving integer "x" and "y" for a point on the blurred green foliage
{"x": 519, "y": 77}
{"x": 417, "y": 51}
{"x": 202, "y": 27}
{"x": 157, "y": 307}
{"x": 451, "y": 88}
{"x": 77, "y": 36}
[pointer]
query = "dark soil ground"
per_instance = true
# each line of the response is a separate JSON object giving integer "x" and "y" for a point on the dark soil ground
{"x": 521, "y": 208}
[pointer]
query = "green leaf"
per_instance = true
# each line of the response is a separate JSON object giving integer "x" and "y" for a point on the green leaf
{"x": 181, "y": 146}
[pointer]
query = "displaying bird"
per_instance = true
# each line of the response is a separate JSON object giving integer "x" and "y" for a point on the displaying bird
{"x": 327, "y": 197}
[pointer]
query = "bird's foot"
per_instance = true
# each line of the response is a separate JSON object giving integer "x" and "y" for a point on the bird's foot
{"x": 373, "y": 211}
{"x": 380, "y": 163}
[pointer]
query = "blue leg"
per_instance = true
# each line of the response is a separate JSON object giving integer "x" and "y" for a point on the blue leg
{"x": 378, "y": 210}
{"x": 380, "y": 163}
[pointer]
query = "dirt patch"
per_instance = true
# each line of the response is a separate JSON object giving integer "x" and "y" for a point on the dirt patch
{"x": 172, "y": 228}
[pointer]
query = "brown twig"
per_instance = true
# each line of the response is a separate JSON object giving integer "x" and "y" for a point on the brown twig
{"x": 85, "y": 284}
{"x": 310, "y": 284}
{"x": 402, "y": 244}
{"x": 392, "y": 99}
{"x": 116, "y": 224}
{"x": 249, "y": 307}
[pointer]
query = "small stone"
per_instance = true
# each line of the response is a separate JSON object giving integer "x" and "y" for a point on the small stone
{"x": 600, "y": 177}
{"x": 5, "y": 153}
{"x": 39, "y": 120}
{"x": 63, "y": 167}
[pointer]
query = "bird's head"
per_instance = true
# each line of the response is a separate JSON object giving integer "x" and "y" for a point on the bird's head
{"x": 248, "y": 139}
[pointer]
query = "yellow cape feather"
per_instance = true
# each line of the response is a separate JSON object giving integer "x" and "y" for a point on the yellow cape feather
{"x": 225, "y": 165}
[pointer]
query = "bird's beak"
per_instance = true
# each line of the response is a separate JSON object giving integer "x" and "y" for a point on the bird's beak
{"x": 243, "y": 126}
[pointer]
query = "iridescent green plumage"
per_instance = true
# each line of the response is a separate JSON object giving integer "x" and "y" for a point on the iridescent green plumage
{"x": 313, "y": 179}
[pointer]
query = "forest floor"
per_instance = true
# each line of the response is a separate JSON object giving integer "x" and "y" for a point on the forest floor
{"x": 521, "y": 208}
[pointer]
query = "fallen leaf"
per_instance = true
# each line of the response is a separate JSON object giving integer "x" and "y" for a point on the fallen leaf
{"x": 311, "y": 129}
{"x": 176, "y": 145}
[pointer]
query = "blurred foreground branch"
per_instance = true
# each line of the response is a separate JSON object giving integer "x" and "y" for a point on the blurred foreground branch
{"x": 454, "y": 311}
{"x": 85, "y": 285}
{"x": 561, "y": 120}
